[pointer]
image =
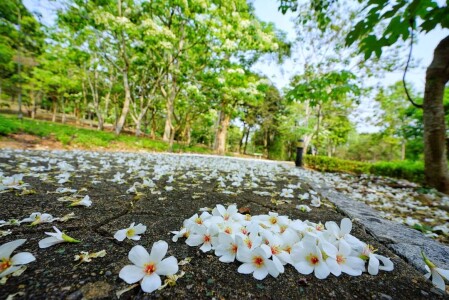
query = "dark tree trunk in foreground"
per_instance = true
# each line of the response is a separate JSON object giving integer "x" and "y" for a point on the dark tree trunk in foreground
{"x": 437, "y": 75}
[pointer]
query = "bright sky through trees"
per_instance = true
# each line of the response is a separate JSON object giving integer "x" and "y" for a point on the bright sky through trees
{"x": 267, "y": 10}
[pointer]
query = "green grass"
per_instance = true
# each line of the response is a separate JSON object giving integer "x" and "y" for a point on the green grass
{"x": 410, "y": 170}
{"x": 87, "y": 138}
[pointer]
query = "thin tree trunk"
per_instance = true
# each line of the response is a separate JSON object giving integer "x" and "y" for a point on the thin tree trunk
{"x": 53, "y": 117}
{"x": 125, "y": 108}
{"x": 403, "y": 143}
{"x": 246, "y": 139}
{"x": 437, "y": 75}
{"x": 221, "y": 132}
{"x": 242, "y": 138}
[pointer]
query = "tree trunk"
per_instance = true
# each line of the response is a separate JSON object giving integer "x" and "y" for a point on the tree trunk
{"x": 403, "y": 143}
{"x": 220, "y": 135}
{"x": 246, "y": 139}
{"x": 53, "y": 117}
{"x": 437, "y": 75}
{"x": 168, "y": 120}
{"x": 242, "y": 138}
{"x": 125, "y": 108}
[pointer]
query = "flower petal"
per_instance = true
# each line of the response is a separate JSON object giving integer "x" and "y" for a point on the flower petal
{"x": 303, "y": 267}
{"x": 387, "y": 263}
{"x": 131, "y": 273}
{"x": 373, "y": 265}
{"x": 9, "y": 270}
{"x": 322, "y": 271}
{"x": 8, "y": 248}
{"x": 246, "y": 268}
{"x": 437, "y": 280}
{"x": 120, "y": 235}
{"x": 22, "y": 258}
{"x": 345, "y": 226}
{"x": 158, "y": 251}
{"x": 139, "y": 256}
{"x": 260, "y": 273}
{"x": 48, "y": 242}
{"x": 168, "y": 266}
{"x": 151, "y": 283}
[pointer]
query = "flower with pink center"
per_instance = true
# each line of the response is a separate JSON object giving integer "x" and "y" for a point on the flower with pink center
{"x": 147, "y": 268}
{"x": 257, "y": 262}
{"x": 307, "y": 258}
{"x": 201, "y": 235}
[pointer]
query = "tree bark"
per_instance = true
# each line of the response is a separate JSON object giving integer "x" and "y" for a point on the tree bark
{"x": 220, "y": 135}
{"x": 435, "y": 161}
{"x": 125, "y": 108}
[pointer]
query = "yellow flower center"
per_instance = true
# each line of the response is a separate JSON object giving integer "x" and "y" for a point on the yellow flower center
{"x": 273, "y": 220}
{"x": 149, "y": 268}
{"x": 234, "y": 248}
{"x": 5, "y": 264}
{"x": 258, "y": 261}
{"x": 228, "y": 230}
{"x": 249, "y": 243}
{"x": 198, "y": 221}
{"x": 130, "y": 232}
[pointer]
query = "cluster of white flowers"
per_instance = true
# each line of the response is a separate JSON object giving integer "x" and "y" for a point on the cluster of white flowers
{"x": 264, "y": 244}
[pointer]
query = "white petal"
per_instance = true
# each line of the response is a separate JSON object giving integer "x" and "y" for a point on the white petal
{"x": 322, "y": 271}
{"x": 206, "y": 247}
{"x": 158, "y": 251}
{"x": 345, "y": 226}
{"x": 120, "y": 235}
{"x": 139, "y": 256}
{"x": 135, "y": 238}
{"x": 442, "y": 272}
{"x": 350, "y": 271}
{"x": 373, "y": 265}
{"x": 437, "y": 280}
{"x": 48, "y": 242}
{"x": 140, "y": 228}
{"x": 303, "y": 267}
{"x": 194, "y": 240}
{"x": 246, "y": 268}
{"x": 334, "y": 267}
{"x": 277, "y": 264}
{"x": 22, "y": 258}
{"x": 8, "y": 271}
{"x": 131, "y": 274}
{"x": 168, "y": 266}
{"x": 387, "y": 263}
{"x": 260, "y": 273}
{"x": 329, "y": 249}
{"x": 274, "y": 267}
{"x": 151, "y": 283}
{"x": 8, "y": 248}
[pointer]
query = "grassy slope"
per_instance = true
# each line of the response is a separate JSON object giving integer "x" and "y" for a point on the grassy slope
{"x": 86, "y": 138}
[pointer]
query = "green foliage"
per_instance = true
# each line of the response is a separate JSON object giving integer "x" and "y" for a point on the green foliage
{"x": 410, "y": 170}
{"x": 87, "y": 138}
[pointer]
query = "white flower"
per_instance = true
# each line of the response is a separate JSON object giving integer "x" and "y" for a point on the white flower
{"x": 37, "y": 218}
{"x": 375, "y": 259}
{"x": 13, "y": 182}
{"x": 83, "y": 202}
{"x": 227, "y": 247}
{"x": 9, "y": 264}
{"x": 56, "y": 238}
{"x": 132, "y": 232}
{"x": 287, "y": 193}
{"x": 303, "y": 208}
{"x": 307, "y": 258}
{"x": 437, "y": 274}
{"x": 316, "y": 202}
{"x": 149, "y": 267}
{"x": 340, "y": 260}
{"x": 256, "y": 262}
{"x": 201, "y": 235}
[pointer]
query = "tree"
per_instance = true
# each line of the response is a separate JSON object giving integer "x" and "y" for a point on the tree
{"x": 383, "y": 24}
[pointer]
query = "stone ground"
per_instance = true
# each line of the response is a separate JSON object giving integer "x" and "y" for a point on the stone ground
{"x": 55, "y": 274}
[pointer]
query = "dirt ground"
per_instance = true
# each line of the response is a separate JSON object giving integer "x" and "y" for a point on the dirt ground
{"x": 55, "y": 274}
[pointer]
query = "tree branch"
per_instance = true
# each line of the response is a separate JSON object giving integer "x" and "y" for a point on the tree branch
{"x": 406, "y": 68}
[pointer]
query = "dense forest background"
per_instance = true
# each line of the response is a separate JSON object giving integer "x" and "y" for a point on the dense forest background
{"x": 182, "y": 72}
